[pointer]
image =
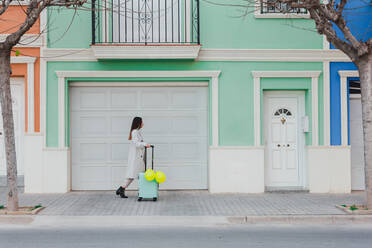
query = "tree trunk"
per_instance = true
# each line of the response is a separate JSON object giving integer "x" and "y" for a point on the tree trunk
{"x": 8, "y": 127}
{"x": 365, "y": 74}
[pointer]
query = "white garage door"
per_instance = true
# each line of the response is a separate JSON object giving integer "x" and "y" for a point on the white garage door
{"x": 175, "y": 120}
{"x": 18, "y": 117}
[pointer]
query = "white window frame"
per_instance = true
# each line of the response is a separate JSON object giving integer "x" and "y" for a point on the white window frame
{"x": 258, "y": 14}
{"x": 19, "y": 2}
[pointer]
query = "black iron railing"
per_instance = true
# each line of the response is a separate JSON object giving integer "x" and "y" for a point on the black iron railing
{"x": 145, "y": 22}
{"x": 272, "y": 6}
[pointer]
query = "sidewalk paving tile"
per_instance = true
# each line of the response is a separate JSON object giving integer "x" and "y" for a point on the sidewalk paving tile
{"x": 188, "y": 203}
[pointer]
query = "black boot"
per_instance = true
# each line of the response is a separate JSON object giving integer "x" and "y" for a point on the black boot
{"x": 122, "y": 194}
{"x": 119, "y": 190}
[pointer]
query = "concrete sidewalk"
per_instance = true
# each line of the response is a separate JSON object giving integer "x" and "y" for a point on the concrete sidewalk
{"x": 188, "y": 203}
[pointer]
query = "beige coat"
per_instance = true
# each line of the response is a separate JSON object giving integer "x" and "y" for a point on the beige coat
{"x": 135, "y": 156}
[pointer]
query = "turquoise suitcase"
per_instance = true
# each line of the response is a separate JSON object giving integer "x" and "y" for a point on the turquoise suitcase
{"x": 147, "y": 190}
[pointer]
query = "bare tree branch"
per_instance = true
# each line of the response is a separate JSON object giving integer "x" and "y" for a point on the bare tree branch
{"x": 341, "y": 7}
{"x": 33, "y": 11}
{"x": 4, "y": 6}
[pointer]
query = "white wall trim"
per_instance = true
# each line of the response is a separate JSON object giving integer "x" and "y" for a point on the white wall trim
{"x": 27, "y": 40}
{"x": 285, "y": 55}
{"x": 30, "y": 61}
{"x": 291, "y": 74}
{"x": 328, "y": 147}
{"x": 326, "y": 44}
{"x": 257, "y": 109}
{"x": 281, "y": 16}
{"x": 22, "y": 60}
{"x": 138, "y": 74}
{"x": 146, "y": 52}
{"x": 236, "y": 147}
{"x": 61, "y": 112}
{"x": 138, "y": 84}
{"x": 67, "y": 54}
{"x": 315, "y": 110}
{"x": 346, "y": 74}
{"x": 257, "y": 75}
{"x": 19, "y": 3}
{"x": 30, "y": 97}
{"x": 326, "y": 103}
{"x": 62, "y": 75}
{"x": 344, "y": 103}
{"x": 43, "y": 69}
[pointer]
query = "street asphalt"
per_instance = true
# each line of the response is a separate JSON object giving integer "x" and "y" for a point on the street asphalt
{"x": 211, "y": 236}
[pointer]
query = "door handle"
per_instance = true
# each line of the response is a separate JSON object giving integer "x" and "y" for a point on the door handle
{"x": 278, "y": 145}
{"x": 287, "y": 145}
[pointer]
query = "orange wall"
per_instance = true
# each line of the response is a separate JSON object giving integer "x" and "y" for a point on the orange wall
{"x": 20, "y": 70}
{"x": 13, "y": 17}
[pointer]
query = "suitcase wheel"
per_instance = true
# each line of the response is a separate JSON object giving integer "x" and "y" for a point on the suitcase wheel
{"x": 154, "y": 199}
{"x": 139, "y": 198}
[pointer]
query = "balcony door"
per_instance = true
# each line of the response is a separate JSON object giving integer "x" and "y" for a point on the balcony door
{"x": 149, "y": 21}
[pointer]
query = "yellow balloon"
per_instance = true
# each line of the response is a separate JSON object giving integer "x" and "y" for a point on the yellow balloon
{"x": 160, "y": 177}
{"x": 150, "y": 175}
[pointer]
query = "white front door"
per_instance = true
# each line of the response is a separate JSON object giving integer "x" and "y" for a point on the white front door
{"x": 18, "y": 114}
{"x": 282, "y": 139}
{"x": 356, "y": 143}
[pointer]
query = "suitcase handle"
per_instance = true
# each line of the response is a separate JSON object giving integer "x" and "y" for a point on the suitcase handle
{"x": 152, "y": 157}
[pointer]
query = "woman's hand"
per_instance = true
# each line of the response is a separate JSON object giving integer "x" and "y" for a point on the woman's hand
{"x": 148, "y": 146}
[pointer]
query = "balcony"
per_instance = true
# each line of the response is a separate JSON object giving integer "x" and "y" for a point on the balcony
{"x": 145, "y": 29}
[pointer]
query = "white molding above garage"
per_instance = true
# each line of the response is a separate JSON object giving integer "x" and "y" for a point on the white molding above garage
{"x": 257, "y": 75}
{"x": 137, "y": 74}
{"x": 27, "y": 40}
{"x": 145, "y": 51}
{"x": 139, "y": 84}
{"x": 280, "y": 55}
{"x": 63, "y": 75}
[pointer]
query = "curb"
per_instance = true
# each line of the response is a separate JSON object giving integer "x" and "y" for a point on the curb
{"x": 302, "y": 219}
{"x": 16, "y": 219}
{"x": 117, "y": 221}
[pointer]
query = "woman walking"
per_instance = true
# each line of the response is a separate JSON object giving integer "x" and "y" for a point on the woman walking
{"x": 135, "y": 156}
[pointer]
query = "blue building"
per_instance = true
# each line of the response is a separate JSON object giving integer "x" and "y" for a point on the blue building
{"x": 346, "y": 128}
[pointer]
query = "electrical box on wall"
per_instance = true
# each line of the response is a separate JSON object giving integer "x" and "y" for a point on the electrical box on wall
{"x": 305, "y": 124}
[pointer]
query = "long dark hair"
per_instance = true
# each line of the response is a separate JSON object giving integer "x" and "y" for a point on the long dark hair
{"x": 136, "y": 124}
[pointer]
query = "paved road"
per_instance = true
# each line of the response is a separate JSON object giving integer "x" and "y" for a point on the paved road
{"x": 252, "y": 236}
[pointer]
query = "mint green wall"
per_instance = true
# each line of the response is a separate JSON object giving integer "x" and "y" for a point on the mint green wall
{"x": 235, "y": 91}
{"x": 221, "y": 27}
{"x": 68, "y": 28}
